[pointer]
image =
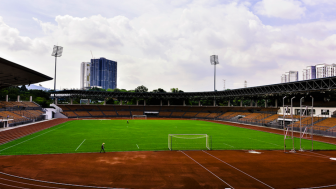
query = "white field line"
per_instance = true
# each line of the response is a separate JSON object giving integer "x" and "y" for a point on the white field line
{"x": 207, "y": 169}
{"x": 319, "y": 154}
{"x": 137, "y": 146}
{"x": 30, "y": 184}
{"x": 229, "y": 145}
{"x": 238, "y": 170}
{"x": 264, "y": 142}
{"x": 80, "y": 145}
{"x": 31, "y": 138}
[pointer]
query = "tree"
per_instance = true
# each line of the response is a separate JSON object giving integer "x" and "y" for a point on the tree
{"x": 159, "y": 90}
{"x": 176, "y": 90}
{"x": 141, "y": 89}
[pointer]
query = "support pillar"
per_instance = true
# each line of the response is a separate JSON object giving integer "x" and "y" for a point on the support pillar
{"x": 276, "y": 103}
{"x": 144, "y": 102}
{"x": 104, "y": 101}
{"x": 241, "y": 103}
{"x": 88, "y": 102}
{"x": 265, "y": 103}
{"x": 30, "y": 99}
{"x": 214, "y": 104}
{"x": 56, "y": 101}
{"x": 199, "y": 103}
{"x": 160, "y": 102}
{"x": 168, "y": 103}
{"x": 120, "y": 102}
{"x": 18, "y": 98}
{"x": 251, "y": 103}
{"x": 6, "y": 98}
{"x": 71, "y": 101}
{"x": 183, "y": 102}
{"x": 229, "y": 103}
{"x": 256, "y": 104}
{"x": 137, "y": 102}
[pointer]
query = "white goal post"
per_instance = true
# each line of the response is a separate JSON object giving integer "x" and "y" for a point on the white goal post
{"x": 139, "y": 116}
{"x": 189, "y": 142}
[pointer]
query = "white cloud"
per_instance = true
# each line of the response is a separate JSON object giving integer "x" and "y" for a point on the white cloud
{"x": 169, "y": 46}
{"x": 286, "y": 9}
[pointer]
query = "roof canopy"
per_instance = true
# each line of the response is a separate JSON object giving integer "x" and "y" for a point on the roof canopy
{"x": 275, "y": 90}
{"x": 12, "y": 74}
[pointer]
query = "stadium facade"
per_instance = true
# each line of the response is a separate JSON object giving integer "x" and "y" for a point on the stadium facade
{"x": 85, "y": 75}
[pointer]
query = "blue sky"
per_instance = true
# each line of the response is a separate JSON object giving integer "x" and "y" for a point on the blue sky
{"x": 167, "y": 44}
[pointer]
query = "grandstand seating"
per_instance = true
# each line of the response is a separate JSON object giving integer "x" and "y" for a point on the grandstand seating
{"x": 107, "y": 108}
{"x": 110, "y": 113}
{"x": 225, "y": 115}
{"x": 96, "y": 113}
{"x": 164, "y": 114}
{"x": 190, "y": 114}
{"x": 271, "y": 118}
{"x": 201, "y": 114}
{"x": 124, "y": 113}
{"x": 137, "y": 113}
{"x": 70, "y": 114}
{"x": 214, "y": 115}
{"x": 83, "y": 114}
{"x": 329, "y": 122}
{"x": 177, "y": 114}
{"x": 250, "y": 116}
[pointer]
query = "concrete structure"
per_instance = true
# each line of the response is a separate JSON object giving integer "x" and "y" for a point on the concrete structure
{"x": 103, "y": 72}
{"x": 84, "y": 75}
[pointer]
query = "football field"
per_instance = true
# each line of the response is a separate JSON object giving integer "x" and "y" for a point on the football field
{"x": 80, "y": 136}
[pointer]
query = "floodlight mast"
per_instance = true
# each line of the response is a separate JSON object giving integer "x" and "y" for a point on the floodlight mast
{"x": 57, "y": 52}
{"x": 214, "y": 61}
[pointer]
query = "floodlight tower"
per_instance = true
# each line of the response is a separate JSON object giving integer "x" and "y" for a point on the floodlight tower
{"x": 214, "y": 61}
{"x": 57, "y": 52}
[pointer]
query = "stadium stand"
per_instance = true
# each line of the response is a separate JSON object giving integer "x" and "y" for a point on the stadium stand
{"x": 110, "y": 113}
{"x": 271, "y": 118}
{"x": 96, "y": 113}
{"x": 137, "y": 113}
{"x": 202, "y": 115}
{"x": 164, "y": 114}
{"x": 190, "y": 114}
{"x": 329, "y": 122}
{"x": 214, "y": 115}
{"x": 177, "y": 114}
{"x": 124, "y": 113}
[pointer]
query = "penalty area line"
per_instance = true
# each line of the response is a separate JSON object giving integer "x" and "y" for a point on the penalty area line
{"x": 237, "y": 169}
{"x": 206, "y": 169}
{"x": 80, "y": 145}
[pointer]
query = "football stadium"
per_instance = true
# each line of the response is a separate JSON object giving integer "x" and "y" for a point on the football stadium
{"x": 156, "y": 144}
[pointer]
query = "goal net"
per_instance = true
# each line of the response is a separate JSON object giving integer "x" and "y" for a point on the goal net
{"x": 189, "y": 142}
{"x": 139, "y": 116}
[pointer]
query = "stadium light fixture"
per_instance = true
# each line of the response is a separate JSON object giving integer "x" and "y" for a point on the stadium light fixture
{"x": 214, "y": 61}
{"x": 57, "y": 52}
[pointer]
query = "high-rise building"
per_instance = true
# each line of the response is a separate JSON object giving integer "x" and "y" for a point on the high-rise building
{"x": 103, "y": 73}
{"x": 309, "y": 73}
{"x": 290, "y": 76}
{"x": 85, "y": 75}
{"x": 293, "y": 76}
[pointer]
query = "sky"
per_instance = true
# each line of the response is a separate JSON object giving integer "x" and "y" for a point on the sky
{"x": 168, "y": 44}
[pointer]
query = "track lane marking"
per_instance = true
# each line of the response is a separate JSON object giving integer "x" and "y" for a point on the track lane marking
{"x": 30, "y": 184}
{"x": 12, "y": 186}
{"x": 31, "y": 138}
{"x": 80, "y": 145}
{"x": 237, "y": 169}
{"x": 207, "y": 169}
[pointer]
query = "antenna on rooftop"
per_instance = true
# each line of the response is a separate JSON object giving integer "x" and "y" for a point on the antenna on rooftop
{"x": 245, "y": 83}
{"x": 224, "y": 84}
{"x": 91, "y": 54}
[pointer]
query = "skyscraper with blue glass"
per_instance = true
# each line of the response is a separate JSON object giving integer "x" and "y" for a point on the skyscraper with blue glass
{"x": 103, "y": 73}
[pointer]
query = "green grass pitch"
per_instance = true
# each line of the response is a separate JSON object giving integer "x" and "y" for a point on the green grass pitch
{"x": 146, "y": 135}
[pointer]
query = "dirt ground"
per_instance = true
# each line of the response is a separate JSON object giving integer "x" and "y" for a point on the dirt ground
{"x": 174, "y": 169}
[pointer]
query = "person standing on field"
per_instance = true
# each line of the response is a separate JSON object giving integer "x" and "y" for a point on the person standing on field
{"x": 102, "y": 148}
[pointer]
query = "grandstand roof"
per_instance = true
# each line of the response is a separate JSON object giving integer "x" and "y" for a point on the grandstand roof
{"x": 12, "y": 74}
{"x": 281, "y": 89}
